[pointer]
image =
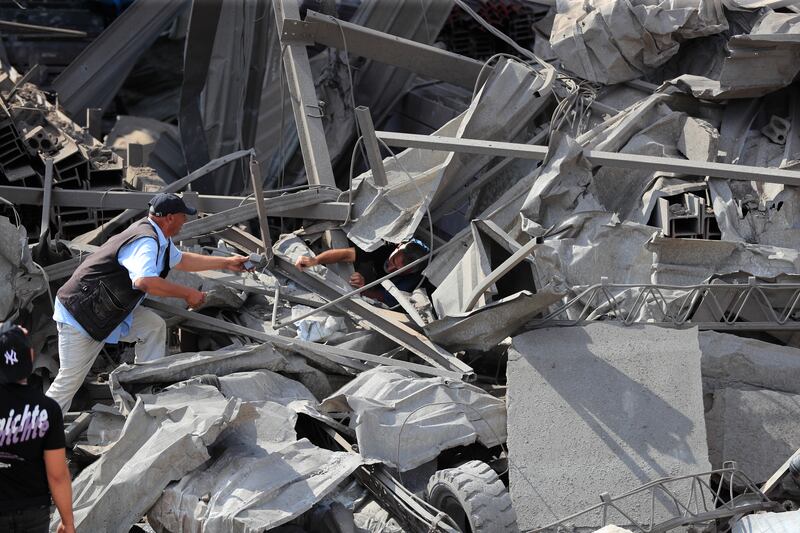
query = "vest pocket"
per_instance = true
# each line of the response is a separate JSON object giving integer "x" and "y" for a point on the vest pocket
{"x": 105, "y": 307}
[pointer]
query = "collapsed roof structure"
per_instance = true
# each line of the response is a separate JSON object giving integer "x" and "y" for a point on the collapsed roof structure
{"x": 609, "y": 191}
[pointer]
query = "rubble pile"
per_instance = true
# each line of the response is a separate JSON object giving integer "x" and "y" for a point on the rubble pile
{"x": 603, "y": 332}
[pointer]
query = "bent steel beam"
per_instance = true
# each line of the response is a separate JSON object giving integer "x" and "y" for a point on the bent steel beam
{"x": 305, "y": 103}
{"x": 95, "y": 76}
{"x": 595, "y": 157}
{"x": 313, "y": 204}
{"x": 423, "y": 59}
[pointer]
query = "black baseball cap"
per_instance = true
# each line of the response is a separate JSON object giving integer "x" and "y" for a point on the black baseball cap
{"x": 15, "y": 354}
{"x": 167, "y": 203}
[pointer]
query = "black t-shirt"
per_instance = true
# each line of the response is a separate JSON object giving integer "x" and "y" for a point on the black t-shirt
{"x": 371, "y": 266}
{"x": 30, "y": 423}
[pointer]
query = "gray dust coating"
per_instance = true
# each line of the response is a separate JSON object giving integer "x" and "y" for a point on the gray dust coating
{"x": 600, "y": 408}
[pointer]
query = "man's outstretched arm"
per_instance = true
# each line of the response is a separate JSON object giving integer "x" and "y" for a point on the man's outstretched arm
{"x": 191, "y": 262}
{"x": 156, "y": 286}
{"x": 337, "y": 255}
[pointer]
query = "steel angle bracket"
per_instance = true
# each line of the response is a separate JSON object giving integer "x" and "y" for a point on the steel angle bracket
{"x": 372, "y": 319}
{"x": 298, "y": 32}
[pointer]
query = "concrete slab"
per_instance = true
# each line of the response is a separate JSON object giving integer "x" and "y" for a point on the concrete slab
{"x": 600, "y": 408}
{"x": 756, "y": 428}
{"x": 732, "y": 360}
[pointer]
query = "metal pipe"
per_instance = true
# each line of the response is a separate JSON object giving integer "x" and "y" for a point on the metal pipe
{"x": 261, "y": 209}
{"x": 275, "y": 301}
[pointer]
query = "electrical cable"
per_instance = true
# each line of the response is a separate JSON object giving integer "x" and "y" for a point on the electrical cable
{"x": 424, "y": 202}
{"x": 500, "y": 35}
{"x": 577, "y": 91}
{"x": 350, "y": 186}
{"x": 352, "y": 85}
{"x": 17, "y": 218}
{"x": 486, "y": 65}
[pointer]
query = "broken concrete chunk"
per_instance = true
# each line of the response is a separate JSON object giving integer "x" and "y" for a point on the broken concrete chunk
{"x": 730, "y": 360}
{"x": 318, "y": 327}
{"x": 612, "y": 529}
{"x": 690, "y": 261}
{"x": 601, "y": 408}
{"x": 758, "y": 63}
{"x": 777, "y": 130}
{"x": 698, "y": 140}
{"x": 223, "y": 297}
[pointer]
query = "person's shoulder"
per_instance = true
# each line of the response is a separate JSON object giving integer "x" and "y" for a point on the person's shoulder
{"x": 33, "y": 394}
{"x": 143, "y": 243}
{"x": 46, "y": 402}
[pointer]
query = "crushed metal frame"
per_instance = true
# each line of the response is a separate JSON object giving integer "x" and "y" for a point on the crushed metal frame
{"x": 587, "y": 302}
{"x": 403, "y": 335}
{"x": 703, "y": 504}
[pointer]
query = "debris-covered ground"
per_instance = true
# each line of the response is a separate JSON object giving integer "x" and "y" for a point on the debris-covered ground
{"x": 605, "y": 334}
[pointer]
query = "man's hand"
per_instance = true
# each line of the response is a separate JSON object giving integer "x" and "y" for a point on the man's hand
{"x": 304, "y": 262}
{"x": 66, "y": 529}
{"x": 357, "y": 280}
{"x": 195, "y": 298}
{"x": 236, "y": 263}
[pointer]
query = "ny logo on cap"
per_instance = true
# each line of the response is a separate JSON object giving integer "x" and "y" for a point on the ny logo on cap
{"x": 11, "y": 357}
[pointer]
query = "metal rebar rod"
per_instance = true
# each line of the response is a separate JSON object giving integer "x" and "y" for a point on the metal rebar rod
{"x": 367, "y": 286}
{"x": 47, "y": 188}
{"x": 275, "y": 301}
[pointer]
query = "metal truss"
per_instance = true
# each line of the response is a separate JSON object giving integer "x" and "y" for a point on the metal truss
{"x": 723, "y": 306}
{"x": 700, "y": 500}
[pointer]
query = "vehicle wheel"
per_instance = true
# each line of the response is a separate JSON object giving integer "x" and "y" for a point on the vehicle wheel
{"x": 474, "y": 497}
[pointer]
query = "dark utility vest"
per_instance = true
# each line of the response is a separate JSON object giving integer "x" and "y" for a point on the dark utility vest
{"x": 100, "y": 293}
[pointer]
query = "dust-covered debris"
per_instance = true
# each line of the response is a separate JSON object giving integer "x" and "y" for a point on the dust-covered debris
{"x": 569, "y": 225}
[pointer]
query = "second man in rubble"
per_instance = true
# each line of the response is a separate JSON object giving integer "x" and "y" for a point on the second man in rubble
{"x": 100, "y": 303}
{"x": 370, "y": 266}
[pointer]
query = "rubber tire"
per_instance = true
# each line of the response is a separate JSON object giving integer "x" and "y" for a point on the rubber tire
{"x": 480, "y": 494}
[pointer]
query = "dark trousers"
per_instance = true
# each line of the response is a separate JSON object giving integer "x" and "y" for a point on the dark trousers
{"x": 28, "y": 520}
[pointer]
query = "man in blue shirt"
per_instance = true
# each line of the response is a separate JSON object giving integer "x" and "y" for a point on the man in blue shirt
{"x": 100, "y": 303}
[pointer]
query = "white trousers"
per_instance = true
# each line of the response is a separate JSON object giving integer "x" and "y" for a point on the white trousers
{"x": 77, "y": 352}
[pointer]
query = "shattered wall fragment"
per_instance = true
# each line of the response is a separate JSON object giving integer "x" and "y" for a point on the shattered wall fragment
{"x": 262, "y": 475}
{"x": 755, "y": 428}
